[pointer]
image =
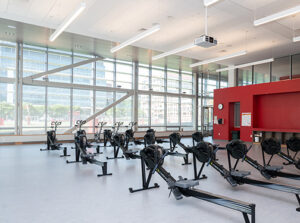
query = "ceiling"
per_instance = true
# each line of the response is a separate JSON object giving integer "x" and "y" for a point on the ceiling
{"x": 104, "y": 23}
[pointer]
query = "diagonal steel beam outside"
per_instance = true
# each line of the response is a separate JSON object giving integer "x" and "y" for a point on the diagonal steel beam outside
{"x": 102, "y": 110}
{"x": 56, "y": 70}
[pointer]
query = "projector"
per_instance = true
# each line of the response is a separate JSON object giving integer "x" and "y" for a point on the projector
{"x": 205, "y": 41}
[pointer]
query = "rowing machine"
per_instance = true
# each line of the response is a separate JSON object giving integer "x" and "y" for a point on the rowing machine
{"x": 153, "y": 157}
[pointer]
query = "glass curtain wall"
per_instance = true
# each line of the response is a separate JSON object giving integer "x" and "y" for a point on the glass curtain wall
{"x": 166, "y": 97}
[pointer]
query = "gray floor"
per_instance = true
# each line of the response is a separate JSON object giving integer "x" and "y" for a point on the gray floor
{"x": 40, "y": 187}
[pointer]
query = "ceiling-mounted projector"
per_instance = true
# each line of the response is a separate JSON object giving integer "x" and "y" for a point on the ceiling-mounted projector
{"x": 205, "y": 41}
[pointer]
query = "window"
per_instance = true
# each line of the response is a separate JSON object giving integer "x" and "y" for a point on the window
{"x": 281, "y": 69}
{"x": 59, "y": 108}
{"x": 210, "y": 83}
{"x": 124, "y": 109}
{"x": 187, "y": 83}
{"x": 157, "y": 110}
{"x": 104, "y": 99}
{"x": 105, "y": 73}
{"x": 173, "y": 111}
{"x": 124, "y": 75}
{"x": 7, "y": 109}
{"x": 187, "y": 113}
{"x": 58, "y": 59}
{"x": 158, "y": 80}
{"x": 33, "y": 110}
{"x": 83, "y": 107}
{"x": 7, "y": 61}
{"x": 144, "y": 111}
{"x": 261, "y": 73}
{"x": 83, "y": 74}
{"x": 144, "y": 74}
{"x": 199, "y": 114}
{"x": 224, "y": 79}
{"x": 244, "y": 76}
{"x": 172, "y": 81}
{"x": 34, "y": 61}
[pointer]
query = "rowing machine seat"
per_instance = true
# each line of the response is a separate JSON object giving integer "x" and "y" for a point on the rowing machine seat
{"x": 236, "y": 173}
{"x": 273, "y": 168}
{"x": 185, "y": 184}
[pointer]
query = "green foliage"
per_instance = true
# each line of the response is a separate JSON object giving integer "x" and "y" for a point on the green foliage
{"x": 7, "y": 110}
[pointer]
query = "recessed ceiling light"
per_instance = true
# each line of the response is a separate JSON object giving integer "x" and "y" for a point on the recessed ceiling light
{"x": 136, "y": 38}
{"x": 241, "y": 53}
{"x": 246, "y": 65}
{"x": 11, "y": 27}
{"x": 68, "y": 20}
{"x": 278, "y": 15}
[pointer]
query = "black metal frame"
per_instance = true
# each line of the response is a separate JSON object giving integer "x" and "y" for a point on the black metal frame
{"x": 79, "y": 159}
{"x": 243, "y": 207}
{"x": 184, "y": 156}
{"x": 290, "y": 160}
{"x": 273, "y": 186}
{"x": 145, "y": 180}
{"x": 116, "y": 153}
{"x": 268, "y": 173}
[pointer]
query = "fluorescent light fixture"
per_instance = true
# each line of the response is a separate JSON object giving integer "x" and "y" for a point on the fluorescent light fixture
{"x": 67, "y": 21}
{"x": 240, "y": 53}
{"x": 11, "y": 27}
{"x": 246, "y": 65}
{"x": 177, "y": 50}
{"x": 296, "y": 39}
{"x": 209, "y": 2}
{"x": 136, "y": 38}
{"x": 276, "y": 16}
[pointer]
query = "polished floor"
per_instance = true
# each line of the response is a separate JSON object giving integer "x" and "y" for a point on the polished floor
{"x": 40, "y": 187}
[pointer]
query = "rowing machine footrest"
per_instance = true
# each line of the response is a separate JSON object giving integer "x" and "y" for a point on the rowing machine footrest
{"x": 185, "y": 184}
{"x": 240, "y": 173}
{"x": 273, "y": 168}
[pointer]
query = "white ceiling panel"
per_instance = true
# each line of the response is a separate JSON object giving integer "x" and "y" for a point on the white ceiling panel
{"x": 230, "y": 21}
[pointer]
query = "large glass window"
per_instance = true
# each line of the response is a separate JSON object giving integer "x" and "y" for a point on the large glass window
{"x": 244, "y": 76}
{"x": 58, "y": 59}
{"x": 124, "y": 109}
{"x": 172, "y": 81}
{"x": 296, "y": 66}
{"x": 157, "y": 110}
{"x": 158, "y": 80}
{"x": 7, "y": 60}
{"x": 83, "y": 107}
{"x": 124, "y": 75}
{"x": 104, "y": 99}
{"x": 224, "y": 79}
{"x": 144, "y": 74}
{"x": 34, "y": 61}
{"x": 83, "y": 74}
{"x": 59, "y": 108}
{"x": 173, "y": 111}
{"x": 281, "y": 69}
{"x": 33, "y": 110}
{"x": 105, "y": 73}
{"x": 187, "y": 83}
{"x": 261, "y": 73}
{"x": 210, "y": 83}
{"x": 187, "y": 113}
{"x": 7, "y": 109}
{"x": 144, "y": 111}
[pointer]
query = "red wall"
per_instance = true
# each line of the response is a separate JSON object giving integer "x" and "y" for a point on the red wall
{"x": 274, "y": 105}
